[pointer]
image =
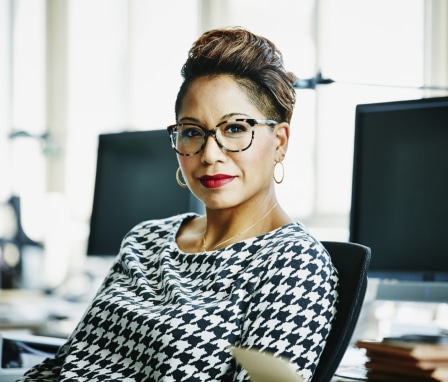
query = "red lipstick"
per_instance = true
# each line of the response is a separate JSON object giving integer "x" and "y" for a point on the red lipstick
{"x": 215, "y": 181}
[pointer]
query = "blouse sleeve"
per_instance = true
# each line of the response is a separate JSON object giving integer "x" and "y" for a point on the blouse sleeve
{"x": 291, "y": 312}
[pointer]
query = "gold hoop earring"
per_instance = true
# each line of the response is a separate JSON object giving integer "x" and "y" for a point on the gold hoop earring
{"x": 276, "y": 179}
{"x": 179, "y": 181}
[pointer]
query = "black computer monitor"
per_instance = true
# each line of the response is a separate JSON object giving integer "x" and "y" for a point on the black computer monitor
{"x": 400, "y": 191}
{"x": 135, "y": 181}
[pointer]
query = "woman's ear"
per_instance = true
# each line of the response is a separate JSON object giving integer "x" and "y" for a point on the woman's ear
{"x": 282, "y": 138}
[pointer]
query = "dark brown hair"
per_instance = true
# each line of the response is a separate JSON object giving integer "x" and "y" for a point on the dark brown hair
{"x": 253, "y": 61}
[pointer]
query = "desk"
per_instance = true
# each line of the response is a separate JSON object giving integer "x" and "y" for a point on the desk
{"x": 38, "y": 313}
{"x": 24, "y": 313}
{"x": 20, "y": 352}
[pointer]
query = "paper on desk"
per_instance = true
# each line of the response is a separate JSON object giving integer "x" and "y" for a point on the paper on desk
{"x": 264, "y": 367}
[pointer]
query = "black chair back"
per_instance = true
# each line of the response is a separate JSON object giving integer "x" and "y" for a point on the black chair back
{"x": 352, "y": 262}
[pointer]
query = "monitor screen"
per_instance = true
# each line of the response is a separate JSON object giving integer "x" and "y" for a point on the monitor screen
{"x": 400, "y": 188}
{"x": 135, "y": 181}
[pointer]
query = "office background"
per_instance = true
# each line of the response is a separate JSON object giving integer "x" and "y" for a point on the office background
{"x": 71, "y": 70}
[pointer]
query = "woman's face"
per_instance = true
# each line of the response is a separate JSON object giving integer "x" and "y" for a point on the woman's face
{"x": 224, "y": 179}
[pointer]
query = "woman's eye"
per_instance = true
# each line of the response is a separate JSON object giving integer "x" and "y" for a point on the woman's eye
{"x": 190, "y": 132}
{"x": 235, "y": 128}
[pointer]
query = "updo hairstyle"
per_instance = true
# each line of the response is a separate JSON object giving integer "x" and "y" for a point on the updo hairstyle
{"x": 253, "y": 61}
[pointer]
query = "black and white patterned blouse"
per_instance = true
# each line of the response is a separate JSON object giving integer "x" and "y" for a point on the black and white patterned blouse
{"x": 166, "y": 315}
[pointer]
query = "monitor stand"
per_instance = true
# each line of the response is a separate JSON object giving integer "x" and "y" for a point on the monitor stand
{"x": 417, "y": 291}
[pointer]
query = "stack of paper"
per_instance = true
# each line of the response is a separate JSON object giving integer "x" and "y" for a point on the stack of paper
{"x": 404, "y": 360}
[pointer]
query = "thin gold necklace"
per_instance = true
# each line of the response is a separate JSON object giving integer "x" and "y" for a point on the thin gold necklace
{"x": 204, "y": 246}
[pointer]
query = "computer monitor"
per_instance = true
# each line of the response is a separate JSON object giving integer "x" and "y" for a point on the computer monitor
{"x": 400, "y": 195}
{"x": 135, "y": 181}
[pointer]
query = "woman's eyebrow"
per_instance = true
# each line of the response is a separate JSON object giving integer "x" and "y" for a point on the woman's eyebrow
{"x": 233, "y": 115}
{"x": 191, "y": 119}
{"x": 223, "y": 118}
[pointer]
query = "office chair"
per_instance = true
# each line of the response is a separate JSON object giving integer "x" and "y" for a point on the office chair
{"x": 352, "y": 262}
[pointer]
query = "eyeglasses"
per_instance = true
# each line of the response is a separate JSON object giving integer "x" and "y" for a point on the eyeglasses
{"x": 233, "y": 135}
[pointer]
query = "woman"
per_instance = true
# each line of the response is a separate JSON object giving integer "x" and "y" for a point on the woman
{"x": 186, "y": 288}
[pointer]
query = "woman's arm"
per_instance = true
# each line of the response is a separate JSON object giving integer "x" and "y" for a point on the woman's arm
{"x": 292, "y": 310}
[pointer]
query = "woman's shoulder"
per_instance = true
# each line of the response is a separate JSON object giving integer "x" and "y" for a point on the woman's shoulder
{"x": 294, "y": 233}
{"x": 162, "y": 223}
{"x": 156, "y": 229}
{"x": 294, "y": 239}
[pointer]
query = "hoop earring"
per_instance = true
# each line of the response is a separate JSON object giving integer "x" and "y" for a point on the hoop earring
{"x": 277, "y": 180}
{"x": 179, "y": 181}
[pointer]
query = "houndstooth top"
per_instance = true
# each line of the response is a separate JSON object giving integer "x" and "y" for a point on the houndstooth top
{"x": 165, "y": 315}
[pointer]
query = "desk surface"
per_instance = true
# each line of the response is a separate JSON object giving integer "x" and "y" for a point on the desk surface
{"x": 38, "y": 313}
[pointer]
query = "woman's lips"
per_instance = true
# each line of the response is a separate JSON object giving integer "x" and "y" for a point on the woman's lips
{"x": 215, "y": 181}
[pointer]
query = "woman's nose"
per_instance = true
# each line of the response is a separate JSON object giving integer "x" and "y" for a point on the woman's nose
{"x": 212, "y": 151}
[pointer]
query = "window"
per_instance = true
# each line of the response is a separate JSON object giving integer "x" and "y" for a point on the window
{"x": 23, "y": 104}
{"x": 373, "y": 55}
{"x": 123, "y": 75}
